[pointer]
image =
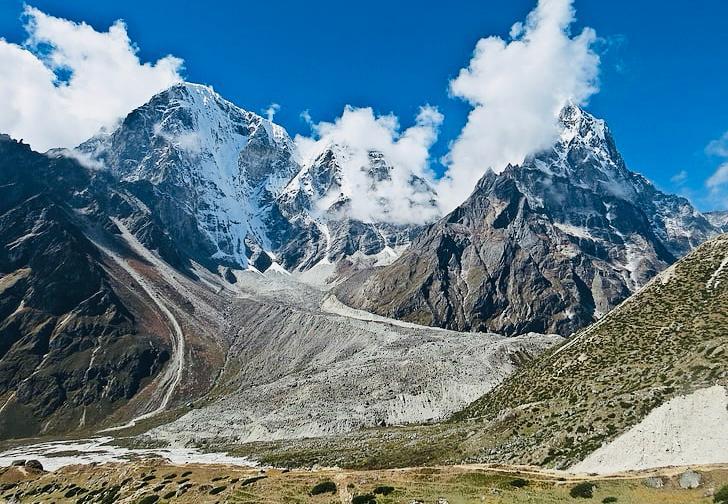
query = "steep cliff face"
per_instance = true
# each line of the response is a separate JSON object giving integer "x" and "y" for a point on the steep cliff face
{"x": 231, "y": 189}
{"x": 548, "y": 246}
{"x": 72, "y": 348}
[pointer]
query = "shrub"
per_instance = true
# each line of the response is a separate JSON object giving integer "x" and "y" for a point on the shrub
{"x": 323, "y": 487}
{"x": 519, "y": 483}
{"x": 584, "y": 490}
{"x": 364, "y": 499}
{"x": 148, "y": 499}
{"x": 721, "y": 495}
{"x": 217, "y": 490}
{"x": 606, "y": 500}
{"x": 383, "y": 490}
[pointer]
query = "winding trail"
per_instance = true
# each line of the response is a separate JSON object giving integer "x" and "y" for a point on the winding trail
{"x": 173, "y": 372}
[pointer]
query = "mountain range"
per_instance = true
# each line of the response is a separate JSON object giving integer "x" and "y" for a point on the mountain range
{"x": 192, "y": 271}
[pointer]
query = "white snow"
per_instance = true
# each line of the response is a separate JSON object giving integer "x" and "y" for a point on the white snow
{"x": 687, "y": 430}
{"x": 579, "y": 232}
{"x": 54, "y": 455}
{"x": 714, "y": 279}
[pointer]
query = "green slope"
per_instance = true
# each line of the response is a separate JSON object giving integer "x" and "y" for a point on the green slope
{"x": 669, "y": 339}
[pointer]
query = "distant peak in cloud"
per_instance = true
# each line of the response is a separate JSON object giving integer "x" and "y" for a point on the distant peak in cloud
{"x": 360, "y": 132}
{"x": 517, "y": 89}
{"x": 68, "y": 80}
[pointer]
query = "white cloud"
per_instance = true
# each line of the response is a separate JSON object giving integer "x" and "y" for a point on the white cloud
{"x": 107, "y": 80}
{"x": 718, "y": 147}
{"x": 517, "y": 89}
{"x": 717, "y": 183}
{"x": 719, "y": 178}
{"x": 361, "y": 131}
{"x": 271, "y": 111}
{"x": 679, "y": 178}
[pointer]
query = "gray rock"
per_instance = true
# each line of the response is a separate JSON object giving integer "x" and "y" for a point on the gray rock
{"x": 18, "y": 463}
{"x": 689, "y": 479}
{"x": 654, "y": 482}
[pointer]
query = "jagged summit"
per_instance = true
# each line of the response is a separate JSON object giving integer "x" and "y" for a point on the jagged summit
{"x": 213, "y": 166}
{"x": 232, "y": 189}
{"x": 549, "y": 245}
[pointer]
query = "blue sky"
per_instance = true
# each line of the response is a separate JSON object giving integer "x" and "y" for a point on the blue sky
{"x": 663, "y": 76}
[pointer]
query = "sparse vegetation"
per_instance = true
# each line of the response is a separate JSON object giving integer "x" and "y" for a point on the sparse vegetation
{"x": 148, "y": 499}
{"x": 323, "y": 487}
{"x": 607, "y": 500}
{"x": 721, "y": 495}
{"x": 519, "y": 483}
{"x": 364, "y": 499}
{"x": 383, "y": 490}
{"x": 584, "y": 490}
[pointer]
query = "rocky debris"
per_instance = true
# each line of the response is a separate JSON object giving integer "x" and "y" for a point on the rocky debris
{"x": 352, "y": 373}
{"x": 689, "y": 479}
{"x": 548, "y": 246}
{"x": 654, "y": 482}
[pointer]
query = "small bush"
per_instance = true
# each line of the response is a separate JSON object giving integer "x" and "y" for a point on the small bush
{"x": 584, "y": 490}
{"x": 519, "y": 483}
{"x": 383, "y": 490}
{"x": 721, "y": 495}
{"x": 323, "y": 487}
{"x": 252, "y": 479}
{"x": 364, "y": 499}
{"x": 148, "y": 499}
{"x": 217, "y": 490}
{"x": 606, "y": 500}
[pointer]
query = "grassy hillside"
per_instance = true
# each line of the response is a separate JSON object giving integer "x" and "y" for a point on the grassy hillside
{"x": 670, "y": 338}
{"x": 154, "y": 481}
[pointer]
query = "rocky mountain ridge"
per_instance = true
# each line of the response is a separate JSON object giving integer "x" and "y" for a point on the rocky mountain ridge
{"x": 548, "y": 246}
{"x": 232, "y": 189}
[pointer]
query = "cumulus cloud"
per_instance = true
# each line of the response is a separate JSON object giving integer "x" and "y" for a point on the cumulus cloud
{"x": 67, "y": 80}
{"x": 517, "y": 89}
{"x": 357, "y": 132}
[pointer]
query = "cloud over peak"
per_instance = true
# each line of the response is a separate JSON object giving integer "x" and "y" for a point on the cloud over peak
{"x": 68, "y": 80}
{"x": 360, "y": 131}
{"x": 517, "y": 89}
